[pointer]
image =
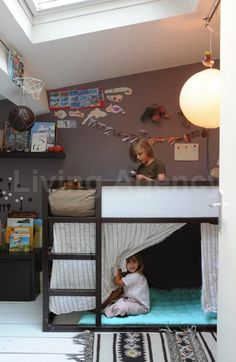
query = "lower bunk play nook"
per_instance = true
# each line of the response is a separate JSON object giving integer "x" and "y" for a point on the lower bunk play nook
{"x": 177, "y": 239}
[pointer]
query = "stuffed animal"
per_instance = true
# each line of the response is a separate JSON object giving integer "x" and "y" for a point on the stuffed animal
{"x": 72, "y": 185}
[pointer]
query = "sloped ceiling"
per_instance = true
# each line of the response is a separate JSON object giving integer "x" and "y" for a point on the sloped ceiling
{"x": 115, "y": 52}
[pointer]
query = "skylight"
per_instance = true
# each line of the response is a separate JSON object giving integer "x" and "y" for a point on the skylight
{"x": 41, "y": 5}
{"x": 48, "y": 20}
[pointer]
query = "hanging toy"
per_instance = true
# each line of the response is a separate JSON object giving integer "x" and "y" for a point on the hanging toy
{"x": 207, "y": 60}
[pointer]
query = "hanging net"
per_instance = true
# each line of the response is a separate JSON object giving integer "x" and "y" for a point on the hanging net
{"x": 32, "y": 86}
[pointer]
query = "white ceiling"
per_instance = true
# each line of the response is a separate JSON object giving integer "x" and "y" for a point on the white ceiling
{"x": 114, "y": 52}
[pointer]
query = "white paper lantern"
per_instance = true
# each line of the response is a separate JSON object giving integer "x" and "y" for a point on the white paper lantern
{"x": 200, "y": 98}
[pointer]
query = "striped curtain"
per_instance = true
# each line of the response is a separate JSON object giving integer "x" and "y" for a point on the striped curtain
{"x": 209, "y": 251}
{"x": 119, "y": 240}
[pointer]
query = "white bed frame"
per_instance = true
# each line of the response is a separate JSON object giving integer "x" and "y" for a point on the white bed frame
{"x": 166, "y": 201}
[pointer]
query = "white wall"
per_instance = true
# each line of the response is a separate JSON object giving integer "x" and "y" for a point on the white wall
{"x": 227, "y": 250}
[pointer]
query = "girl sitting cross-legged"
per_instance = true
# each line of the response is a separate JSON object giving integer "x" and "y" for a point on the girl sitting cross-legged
{"x": 135, "y": 298}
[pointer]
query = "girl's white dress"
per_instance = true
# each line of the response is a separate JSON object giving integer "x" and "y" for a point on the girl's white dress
{"x": 135, "y": 300}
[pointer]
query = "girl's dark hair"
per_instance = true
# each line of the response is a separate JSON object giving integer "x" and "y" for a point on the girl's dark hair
{"x": 139, "y": 260}
{"x": 140, "y": 143}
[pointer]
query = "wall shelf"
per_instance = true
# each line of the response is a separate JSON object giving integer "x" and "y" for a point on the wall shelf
{"x": 45, "y": 155}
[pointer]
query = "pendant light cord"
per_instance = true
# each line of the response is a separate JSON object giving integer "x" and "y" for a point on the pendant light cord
{"x": 212, "y": 13}
{"x": 1, "y": 41}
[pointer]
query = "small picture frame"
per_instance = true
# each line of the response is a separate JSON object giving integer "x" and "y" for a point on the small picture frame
{"x": 39, "y": 142}
{"x": 45, "y": 127}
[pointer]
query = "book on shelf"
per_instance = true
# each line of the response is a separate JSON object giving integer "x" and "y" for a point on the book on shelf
{"x": 19, "y": 231}
{"x": 37, "y": 224}
{"x": 19, "y": 242}
{"x": 44, "y": 127}
{"x": 38, "y": 233}
{"x": 15, "y": 140}
{"x": 39, "y": 142}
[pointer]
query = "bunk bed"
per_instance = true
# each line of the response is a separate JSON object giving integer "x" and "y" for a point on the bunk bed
{"x": 153, "y": 210}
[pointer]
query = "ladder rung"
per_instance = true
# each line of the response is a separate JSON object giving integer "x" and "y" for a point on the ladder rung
{"x": 72, "y": 292}
{"x": 72, "y": 256}
{"x": 71, "y": 219}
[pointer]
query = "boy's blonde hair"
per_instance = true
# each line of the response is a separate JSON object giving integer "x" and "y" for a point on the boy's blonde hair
{"x": 139, "y": 260}
{"x": 141, "y": 143}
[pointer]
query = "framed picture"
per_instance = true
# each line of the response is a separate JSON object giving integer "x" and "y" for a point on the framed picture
{"x": 39, "y": 142}
{"x": 44, "y": 127}
{"x": 76, "y": 98}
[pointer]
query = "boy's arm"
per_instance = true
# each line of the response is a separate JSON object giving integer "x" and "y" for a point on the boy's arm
{"x": 142, "y": 177}
{"x": 118, "y": 278}
{"x": 161, "y": 177}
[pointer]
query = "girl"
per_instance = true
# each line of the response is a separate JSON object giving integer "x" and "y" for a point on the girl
{"x": 150, "y": 168}
{"x": 135, "y": 299}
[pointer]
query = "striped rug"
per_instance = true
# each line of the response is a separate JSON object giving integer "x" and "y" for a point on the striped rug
{"x": 162, "y": 346}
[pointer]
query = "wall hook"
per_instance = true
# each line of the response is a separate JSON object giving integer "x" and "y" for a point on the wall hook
{"x": 9, "y": 183}
{"x": 21, "y": 202}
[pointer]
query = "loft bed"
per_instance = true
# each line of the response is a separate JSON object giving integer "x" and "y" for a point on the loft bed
{"x": 123, "y": 210}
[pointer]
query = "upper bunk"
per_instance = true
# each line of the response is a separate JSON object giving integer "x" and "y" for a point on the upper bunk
{"x": 145, "y": 201}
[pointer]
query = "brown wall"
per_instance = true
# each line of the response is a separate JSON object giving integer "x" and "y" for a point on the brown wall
{"x": 90, "y": 152}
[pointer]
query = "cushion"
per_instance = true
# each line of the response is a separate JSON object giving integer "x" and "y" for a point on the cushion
{"x": 72, "y": 202}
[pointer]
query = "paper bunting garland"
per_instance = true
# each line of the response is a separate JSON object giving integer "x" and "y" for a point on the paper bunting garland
{"x": 92, "y": 121}
{"x": 130, "y": 137}
{"x": 94, "y": 97}
{"x": 109, "y": 131}
{"x": 153, "y": 140}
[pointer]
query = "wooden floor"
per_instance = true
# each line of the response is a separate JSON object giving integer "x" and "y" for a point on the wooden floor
{"x": 22, "y": 339}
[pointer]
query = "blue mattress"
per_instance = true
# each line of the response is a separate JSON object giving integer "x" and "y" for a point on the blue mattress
{"x": 168, "y": 307}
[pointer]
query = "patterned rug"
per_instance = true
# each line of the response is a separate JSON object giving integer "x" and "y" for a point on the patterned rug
{"x": 162, "y": 346}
